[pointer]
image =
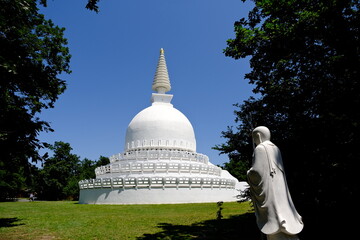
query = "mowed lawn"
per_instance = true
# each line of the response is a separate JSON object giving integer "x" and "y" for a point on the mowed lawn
{"x": 69, "y": 220}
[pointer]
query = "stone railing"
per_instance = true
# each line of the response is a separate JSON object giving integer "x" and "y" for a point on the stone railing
{"x": 157, "y": 182}
{"x": 160, "y": 144}
{"x": 160, "y": 154}
{"x": 157, "y": 167}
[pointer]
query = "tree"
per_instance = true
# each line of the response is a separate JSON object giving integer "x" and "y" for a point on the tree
{"x": 239, "y": 145}
{"x": 33, "y": 53}
{"x": 87, "y": 167}
{"x": 102, "y": 161}
{"x": 60, "y": 173}
{"x": 305, "y": 67}
{"x": 92, "y": 5}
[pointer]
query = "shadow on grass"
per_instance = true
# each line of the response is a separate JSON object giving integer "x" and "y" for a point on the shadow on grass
{"x": 10, "y": 222}
{"x": 236, "y": 227}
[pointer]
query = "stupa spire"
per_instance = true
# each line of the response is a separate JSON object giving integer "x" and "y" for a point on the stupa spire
{"x": 161, "y": 83}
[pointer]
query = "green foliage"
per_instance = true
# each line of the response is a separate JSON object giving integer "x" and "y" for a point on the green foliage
{"x": 92, "y": 5}
{"x": 239, "y": 144}
{"x": 102, "y": 161}
{"x": 305, "y": 67}
{"x": 33, "y": 53}
{"x": 62, "y": 172}
{"x": 87, "y": 167}
{"x": 219, "y": 215}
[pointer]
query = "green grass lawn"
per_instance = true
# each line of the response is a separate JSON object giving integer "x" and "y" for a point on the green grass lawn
{"x": 69, "y": 220}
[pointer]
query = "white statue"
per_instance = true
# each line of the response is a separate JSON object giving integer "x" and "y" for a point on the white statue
{"x": 275, "y": 212}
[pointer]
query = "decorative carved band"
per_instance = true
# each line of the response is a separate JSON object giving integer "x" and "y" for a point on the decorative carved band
{"x": 160, "y": 154}
{"x": 156, "y": 182}
{"x": 157, "y": 167}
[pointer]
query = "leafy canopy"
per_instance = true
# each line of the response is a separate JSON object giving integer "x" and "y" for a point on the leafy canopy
{"x": 305, "y": 60}
{"x": 33, "y": 54}
{"x": 62, "y": 172}
{"x": 92, "y": 5}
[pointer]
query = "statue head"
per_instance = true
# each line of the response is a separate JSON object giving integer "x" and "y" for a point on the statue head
{"x": 261, "y": 134}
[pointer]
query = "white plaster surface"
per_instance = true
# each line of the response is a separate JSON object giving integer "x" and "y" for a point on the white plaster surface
{"x": 160, "y": 126}
{"x": 156, "y": 195}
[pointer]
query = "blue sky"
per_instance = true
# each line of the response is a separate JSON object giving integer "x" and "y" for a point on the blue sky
{"x": 114, "y": 57}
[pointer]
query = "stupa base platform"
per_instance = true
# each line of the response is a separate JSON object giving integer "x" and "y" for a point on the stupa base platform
{"x": 156, "y": 195}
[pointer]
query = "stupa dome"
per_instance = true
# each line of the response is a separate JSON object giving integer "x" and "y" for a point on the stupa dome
{"x": 160, "y": 163}
{"x": 160, "y": 126}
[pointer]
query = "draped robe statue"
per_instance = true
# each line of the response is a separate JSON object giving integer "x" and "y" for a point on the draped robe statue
{"x": 275, "y": 212}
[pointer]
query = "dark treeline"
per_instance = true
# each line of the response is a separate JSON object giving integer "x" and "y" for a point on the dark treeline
{"x": 305, "y": 62}
{"x": 33, "y": 56}
{"x": 57, "y": 179}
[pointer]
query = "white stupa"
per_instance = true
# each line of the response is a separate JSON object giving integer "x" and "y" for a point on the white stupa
{"x": 159, "y": 163}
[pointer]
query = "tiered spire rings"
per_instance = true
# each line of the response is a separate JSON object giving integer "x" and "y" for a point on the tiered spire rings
{"x": 161, "y": 83}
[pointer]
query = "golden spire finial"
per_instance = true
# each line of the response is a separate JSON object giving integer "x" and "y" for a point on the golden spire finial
{"x": 162, "y": 51}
